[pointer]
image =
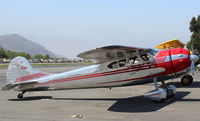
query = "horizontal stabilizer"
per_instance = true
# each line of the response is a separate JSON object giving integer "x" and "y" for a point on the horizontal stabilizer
{"x": 8, "y": 87}
{"x": 12, "y": 85}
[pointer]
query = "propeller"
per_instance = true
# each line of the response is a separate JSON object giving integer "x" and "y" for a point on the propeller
{"x": 193, "y": 59}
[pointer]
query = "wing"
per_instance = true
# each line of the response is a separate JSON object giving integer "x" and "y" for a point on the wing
{"x": 109, "y": 53}
{"x": 174, "y": 43}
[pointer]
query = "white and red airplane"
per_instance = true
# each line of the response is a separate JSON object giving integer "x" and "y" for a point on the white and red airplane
{"x": 115, "y": 66}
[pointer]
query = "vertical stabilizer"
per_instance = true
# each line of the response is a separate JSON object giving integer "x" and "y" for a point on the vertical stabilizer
{"x": 20, "y": 70}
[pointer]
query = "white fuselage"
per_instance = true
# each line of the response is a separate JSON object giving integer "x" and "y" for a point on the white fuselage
{"x": 95, "y": 76}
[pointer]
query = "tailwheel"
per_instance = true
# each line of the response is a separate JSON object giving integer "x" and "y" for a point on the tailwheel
{"x": 20, "y": 96}
{"x": 186, "y": 80}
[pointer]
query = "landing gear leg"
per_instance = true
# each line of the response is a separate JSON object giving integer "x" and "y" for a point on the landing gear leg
{"x": 21, "y": 95}
{"x": 164, "y": 84}
{"x": 155, "y": 83}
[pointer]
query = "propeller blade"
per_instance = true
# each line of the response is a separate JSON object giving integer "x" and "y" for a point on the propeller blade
{"x": 192, "y": 67}
{"x": 193, "y": 59}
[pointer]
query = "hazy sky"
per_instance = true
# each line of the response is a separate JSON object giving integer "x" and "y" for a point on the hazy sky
{"x": 68, "y": 27}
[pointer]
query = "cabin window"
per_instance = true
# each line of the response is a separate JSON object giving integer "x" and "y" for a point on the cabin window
{"x": 113, "y": 65}
{"x": 131, "y": 60}
{"x": 144, "y": 57}
{"x": 122, "y": 63}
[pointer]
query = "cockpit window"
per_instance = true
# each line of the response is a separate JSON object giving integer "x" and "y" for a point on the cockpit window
{"x": 132, "y": 61}
{"x": 122, "y": 63}
{"x": 144, "y": 57}
{"x": 113, "y": 65}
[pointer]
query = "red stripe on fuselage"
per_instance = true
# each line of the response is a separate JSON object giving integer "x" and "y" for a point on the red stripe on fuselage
{"x": 100, "y": 74}
{"x": 130, "y": 79}
{"x": 32, "y": 76}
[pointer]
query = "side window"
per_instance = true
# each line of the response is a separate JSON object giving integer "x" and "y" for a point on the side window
{"x": 122, "y": 63}
{"x": 113, "y": 65}
{"x": 131, "y": 60}
{"x": 144, "y": 57}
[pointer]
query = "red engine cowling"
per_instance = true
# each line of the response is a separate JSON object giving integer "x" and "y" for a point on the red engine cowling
{"x": 173, "y": 60}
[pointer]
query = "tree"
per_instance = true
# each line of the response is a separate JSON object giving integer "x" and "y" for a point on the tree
{"x": 23, "y": 54}
{"x": 194, "y": 43}
{"x": 47, "y": 56}
{"x": 10, "y": 54}
{"x": 2, "y": 53}
{"x": 38, "y": 56}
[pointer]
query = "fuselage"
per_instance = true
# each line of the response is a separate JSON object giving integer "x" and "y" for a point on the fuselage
{"x": 138, "y": 69}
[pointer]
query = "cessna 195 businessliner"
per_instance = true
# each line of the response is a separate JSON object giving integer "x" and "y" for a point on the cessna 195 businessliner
{"x": 115, "y": 66}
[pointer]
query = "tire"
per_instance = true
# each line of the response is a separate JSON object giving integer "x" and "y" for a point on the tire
{"x": 186, "y": 80}
{"x": 20, "y": 96}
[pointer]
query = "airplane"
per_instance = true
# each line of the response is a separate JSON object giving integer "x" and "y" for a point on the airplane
{"x": 115, "y": 66}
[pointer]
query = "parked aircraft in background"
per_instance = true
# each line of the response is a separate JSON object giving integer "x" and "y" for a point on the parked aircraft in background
{"x": 115, "y": 66}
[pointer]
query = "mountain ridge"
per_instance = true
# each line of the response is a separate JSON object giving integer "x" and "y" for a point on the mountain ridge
{"x": 17, "y": 43}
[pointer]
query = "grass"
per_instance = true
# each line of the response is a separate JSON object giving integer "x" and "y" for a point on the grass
{"x": 4, "y": 66}
{"x": 49, "y": 64}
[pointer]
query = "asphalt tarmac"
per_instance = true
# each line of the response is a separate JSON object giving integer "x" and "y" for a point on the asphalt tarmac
{"x": 117, "y": 104}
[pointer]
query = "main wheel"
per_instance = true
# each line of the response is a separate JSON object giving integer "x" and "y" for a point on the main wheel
{"x": 20, "y": 96}
{"x": 186, "y": 80}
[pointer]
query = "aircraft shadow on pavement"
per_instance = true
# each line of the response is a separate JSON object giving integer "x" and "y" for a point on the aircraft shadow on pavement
{"x": 195, "y": 84}
{"x": 136, "y": 104}
{"x": 140, "y": 104}
{"x": 32, "y": 98}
